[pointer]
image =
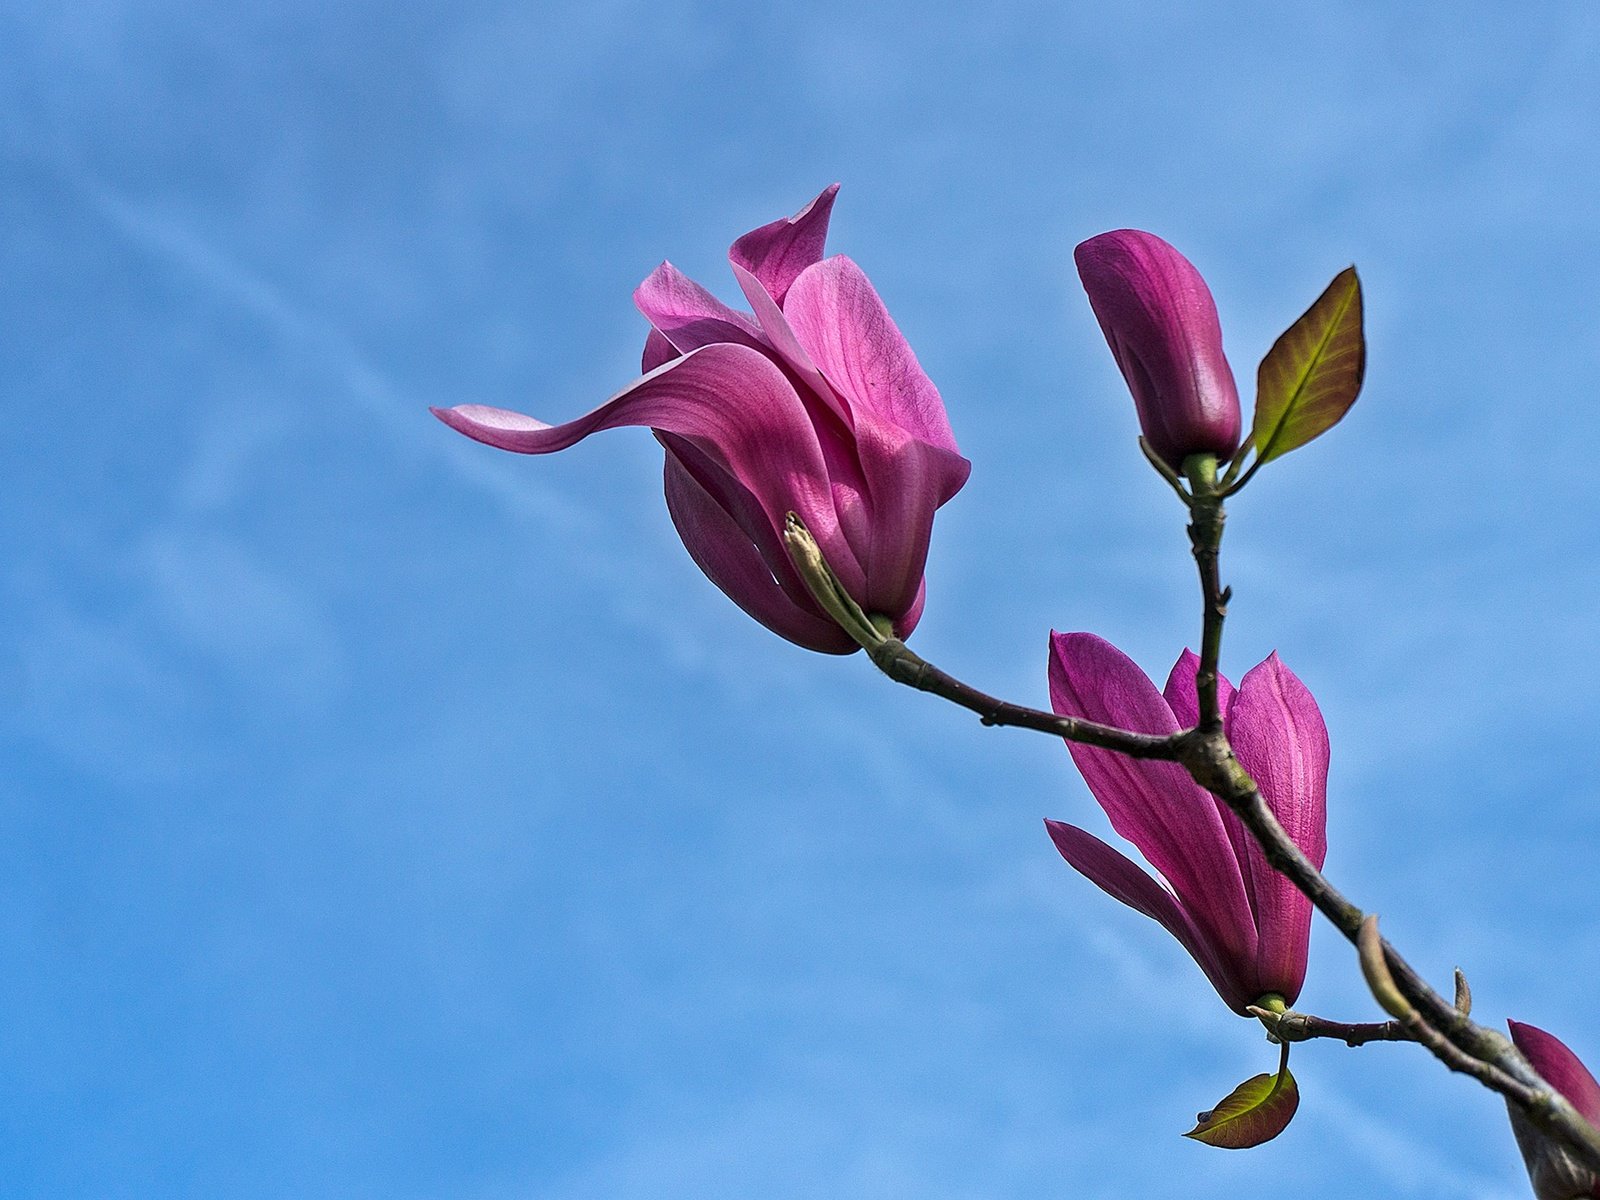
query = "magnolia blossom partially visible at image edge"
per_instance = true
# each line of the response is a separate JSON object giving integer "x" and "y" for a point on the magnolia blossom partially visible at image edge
{"x": 1552, "y": 1169}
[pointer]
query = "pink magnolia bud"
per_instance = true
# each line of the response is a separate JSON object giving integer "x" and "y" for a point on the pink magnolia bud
{"x": 1161, "y": 323}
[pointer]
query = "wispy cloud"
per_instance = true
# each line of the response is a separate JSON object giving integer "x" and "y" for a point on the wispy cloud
{"x": 1408, "y": 1164}
{"x": 168, "y": 240}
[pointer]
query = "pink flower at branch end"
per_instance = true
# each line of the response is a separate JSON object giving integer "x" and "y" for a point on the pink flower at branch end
{"x": 814, "y": 404}
{"x": 1553, "y": 1171}
{"x": 1245, "y": 924}
{"x": 1161, "y": 323}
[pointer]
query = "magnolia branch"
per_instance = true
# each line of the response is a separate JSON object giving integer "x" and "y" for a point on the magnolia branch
{"x": 894, "y": 659}
{"x": 1422, "y": 1014}
{"x": 1445, "y": 1029}
{"x": 891, "y": 656}
{"x": 1293, "y": 1026}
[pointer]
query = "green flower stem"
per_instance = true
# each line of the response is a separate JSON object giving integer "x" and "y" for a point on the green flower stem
{"x": 1205, "y": 538}
{"x": 1283, "y": 1069}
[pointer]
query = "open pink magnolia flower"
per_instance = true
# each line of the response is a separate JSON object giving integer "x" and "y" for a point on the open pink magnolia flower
{"x": 1161, "y": 322}
{"x": 1553, "y": 1171}
{"x": 814, "y": 405}
{"x": 1244, "y": 923}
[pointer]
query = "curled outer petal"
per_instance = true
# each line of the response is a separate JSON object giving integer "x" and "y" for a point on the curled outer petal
{"x": 726, "y": 533}
{"x": 765, "y": 441}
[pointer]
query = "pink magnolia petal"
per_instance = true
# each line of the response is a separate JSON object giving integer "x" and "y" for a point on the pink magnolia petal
{"x": 658, "y": 352}
{"x": 1116, "y": 875}
{"x": 1182, "y": 696}
{"x": 906, "y": 480}
{"x": 777, "y": 333}
{"x": 836, "y": 434}
{"x": 1560, "y": 1067}
{"x": 775, "y": 254}
{"x": 839, "y": 319}
{"x": 1119, "y": 877}
{"x": 723, "y": 548}
{"x": 887, "y": 480}
{"x": 1279, "y": 737}
{"x": 688, "y": 316}
{"x": 1155, "y": 805}
{"x": 913, "y": 614}
{"x": 736, "y": 405}
{"x": 745, "y": 511}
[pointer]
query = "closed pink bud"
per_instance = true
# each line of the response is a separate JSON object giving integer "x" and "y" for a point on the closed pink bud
{"x": 1161, "y": 323}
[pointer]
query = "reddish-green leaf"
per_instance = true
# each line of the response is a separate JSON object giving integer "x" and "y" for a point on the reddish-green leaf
{"x": 1256, "y": 1111}
{"x": 1312, "y": 374}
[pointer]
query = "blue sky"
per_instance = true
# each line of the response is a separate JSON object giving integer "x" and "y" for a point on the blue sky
{"x": 387, "y": 816}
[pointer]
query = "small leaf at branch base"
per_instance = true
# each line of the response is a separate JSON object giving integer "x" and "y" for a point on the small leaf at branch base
{"x": 1256, "y": 1111}
{"x": 1312, "y": 374}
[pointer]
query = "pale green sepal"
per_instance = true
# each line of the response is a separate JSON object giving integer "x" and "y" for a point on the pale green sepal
{"x": 825, "y": 587}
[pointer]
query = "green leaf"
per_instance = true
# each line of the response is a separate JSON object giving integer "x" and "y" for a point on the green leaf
{"x": 1312, "y": 374}
{"x": 1256, "y": 1111}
